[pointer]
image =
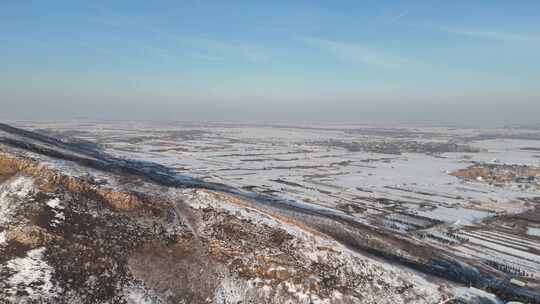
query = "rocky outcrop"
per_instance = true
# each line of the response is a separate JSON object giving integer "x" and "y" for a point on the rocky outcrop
{"x": 100, "y": 245}
{"x": 49, "y": 180}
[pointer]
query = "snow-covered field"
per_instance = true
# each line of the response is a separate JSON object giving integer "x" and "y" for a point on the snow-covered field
{"x": 397, "y": 179}
{"x": 305, "y": 164}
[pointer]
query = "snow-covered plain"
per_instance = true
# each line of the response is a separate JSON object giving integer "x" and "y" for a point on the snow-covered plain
{"x": 295, "y": 162}
{"x": 412, "y": 192}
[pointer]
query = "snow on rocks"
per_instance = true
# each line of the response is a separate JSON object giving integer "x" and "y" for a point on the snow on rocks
{"x": 54, "y": 203}
{"x": 12, "y": 193}
{"x": 374, "y": 280}
{"x": 59, "y": 216}
{"x": 3, "y": 238}
{"x": 29, "y": 279}
{"x": 137, "y": 294}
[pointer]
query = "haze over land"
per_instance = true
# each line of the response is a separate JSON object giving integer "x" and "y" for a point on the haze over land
{"x": 459, "y": 62}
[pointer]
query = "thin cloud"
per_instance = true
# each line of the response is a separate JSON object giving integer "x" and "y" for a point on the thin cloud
{"x": 219, "y": 49}
{"x": 396, "y": 17}
{"x": 355, "y": 53}
{"x": 197, "y": 48}
{"x": 491, "y": 35}
{"x": 205, "y": 57}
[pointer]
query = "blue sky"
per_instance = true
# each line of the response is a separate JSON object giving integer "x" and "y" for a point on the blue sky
{"x": 341, "y": 60}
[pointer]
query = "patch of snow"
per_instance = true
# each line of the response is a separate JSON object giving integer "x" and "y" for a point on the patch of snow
{"x": 3, "y": 238}
{"x": 11, "y": 194}
{"x": 471, "y": 294}
{"x": 31, "y": 279}
{"x": 533, "y": 231}
{"x": 139, "y": 295}
{"x": 59, "y": 216}
{"x": 21, "y": 186}
{"x": 231, "y": 291}
{"x": 55, "y": 203}
{"x": 457, "y": 216}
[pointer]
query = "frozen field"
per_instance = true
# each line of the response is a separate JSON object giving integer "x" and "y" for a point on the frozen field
{"x": 398, "y": 179}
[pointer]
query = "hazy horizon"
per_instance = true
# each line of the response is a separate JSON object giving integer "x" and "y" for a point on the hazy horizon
{"x": 350, "y": 61}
